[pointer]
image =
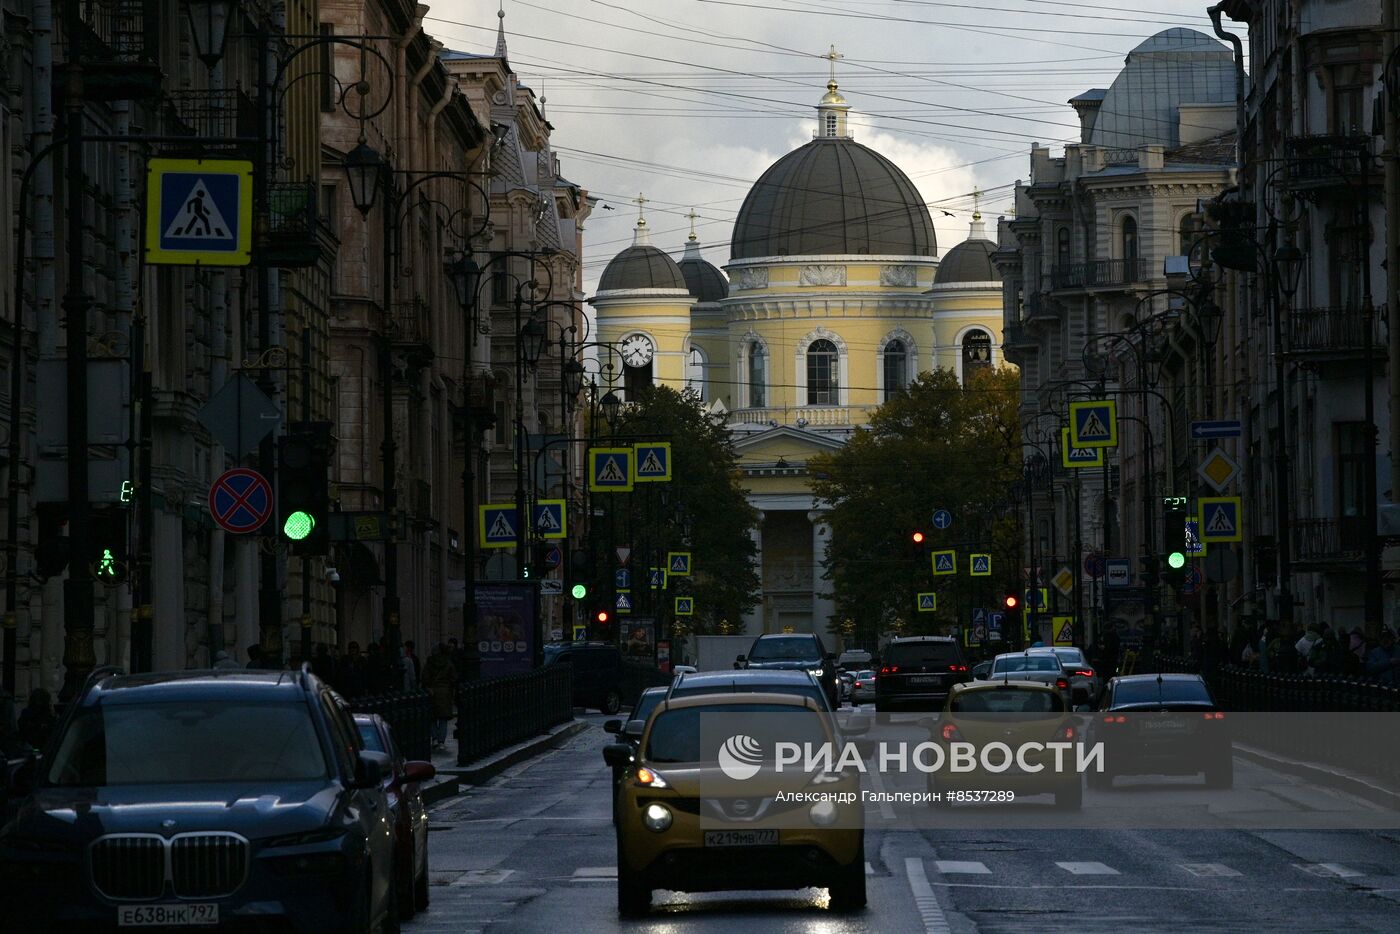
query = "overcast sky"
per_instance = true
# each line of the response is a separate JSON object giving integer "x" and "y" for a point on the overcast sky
{"x": 689, "y": 101}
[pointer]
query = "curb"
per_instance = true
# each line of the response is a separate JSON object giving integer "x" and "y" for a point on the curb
{"x": 453, "y": 779}
{"x": 1360, "y": 785}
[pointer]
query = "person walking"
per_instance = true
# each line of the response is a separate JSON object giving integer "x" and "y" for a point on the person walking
{"x": 37, "y": 720}
{"x": 440, "y": 678}
{"x": 1383, "y": 663}
{"x": 255, "y": 656}
{"x": 350, "y": 678}
{"x": 223, "y": 660}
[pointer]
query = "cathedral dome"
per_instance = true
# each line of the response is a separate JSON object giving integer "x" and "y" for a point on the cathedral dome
{"x": 705, "y": 282}
{"x": 833, "y": 196}
{"x": 642, "y": 266}
{"x": 969, "y": 261}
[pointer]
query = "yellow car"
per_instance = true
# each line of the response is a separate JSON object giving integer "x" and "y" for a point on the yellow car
{"x": 1024, "y": 716}
{"x": 707, "y": 804}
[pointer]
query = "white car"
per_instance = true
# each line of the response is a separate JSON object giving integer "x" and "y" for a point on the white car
{"x": 864, "y": 687}
{"x": 1084, "y": 680}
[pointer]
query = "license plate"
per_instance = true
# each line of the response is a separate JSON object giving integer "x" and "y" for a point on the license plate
{"x": 150, "y": 916}
{"x": 1164, "y": 726}
{"x": 926, "y": 679}
{"x": 741, "y": 837}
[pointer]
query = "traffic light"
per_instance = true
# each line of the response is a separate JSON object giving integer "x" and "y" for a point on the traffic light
{"x": 1011, "y": 609}
{"x": 917, "y": 542}
{"x": 303, "y": 488}
{"x": 1174, "y": 540}
{"x": 107, "y": 554}
{"x": 110, "y": 563}
{"x": 601, "y": 620}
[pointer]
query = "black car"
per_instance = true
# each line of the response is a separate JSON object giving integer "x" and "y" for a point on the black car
{"x": 239, "y": 798}
{"x": 597, "y": 672}
{"x": 916, "y": 672}
{"x": 1165, "y": 724}
{"x": 795, "y": 651}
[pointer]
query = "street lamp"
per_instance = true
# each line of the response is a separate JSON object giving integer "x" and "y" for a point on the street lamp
{"x": 209, "y": 28}
{"x": 1288, "y": 268}
{"x": 465, "y": 275}
{"x": 611, "y": 405}
{"x": 363, "y": 166}
{"x": 532, "y": 338}
{"x": 573, "y": 379}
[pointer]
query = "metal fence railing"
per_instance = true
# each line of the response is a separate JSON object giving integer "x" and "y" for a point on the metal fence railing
{"x": 1245, "y": 689}
{"x": 494, "y": 713}
{"x": 408, "y": 713}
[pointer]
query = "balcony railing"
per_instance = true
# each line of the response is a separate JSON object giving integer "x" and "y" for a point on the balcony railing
{"x": 1040, "y": 307}
{"x": 1335, "y": 333}
{"x": 289, "y": 234}
{"x": 1329, "y": 541}
{"x": 820, "y": 416}
{"x": 1328, "y": 161}
{"x": 410, "y": 325}
{"x": 121, "y": 46}
{"x": 212, "y": 118}
{"x": 1098, "y": 273}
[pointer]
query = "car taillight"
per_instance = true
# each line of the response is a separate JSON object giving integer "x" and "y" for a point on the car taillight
{"x": 1115, "y": 718}
{"x": 889, "y": 670}
{"x": 1062, "y": 684}
{"x": 1066, "y": 732}
{"x": 951, "y": 734}
{"x": 1084, "y": 674}
{"x": 1214, "y": 715}
{"x": 957, "y": 668}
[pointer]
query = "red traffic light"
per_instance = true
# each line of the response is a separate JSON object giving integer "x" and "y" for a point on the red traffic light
{"x": 1011, "y": 601}
{"x": 601, "y": 616}
{"x": 918, "y": 538}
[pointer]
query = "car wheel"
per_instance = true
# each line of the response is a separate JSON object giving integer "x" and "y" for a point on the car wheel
{"x": 848, "y": 891}
{"x": 633, "y": 895}
{"x": 612, "y": 703}
{"x": 1222, "y": 776}
{"x": 420, "y": 887}
{"x": 1070, "y": 797}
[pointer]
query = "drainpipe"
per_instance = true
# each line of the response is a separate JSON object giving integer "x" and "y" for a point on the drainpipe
{"x": 1215, "y": 13}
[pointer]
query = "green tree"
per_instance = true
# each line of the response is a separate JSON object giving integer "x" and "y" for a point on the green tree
{"x": 703, "y": 499}
{"x": 940, "y": 445}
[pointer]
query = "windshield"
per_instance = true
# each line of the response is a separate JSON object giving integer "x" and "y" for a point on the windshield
{"x": 1071, "y": 658}
{"x": 369, "y": 735}
{"x": 928, "y": 654}
{"x": 678, "y": 735}
{"x": 188, "y": 741}
{"x": 1012, "y": 663}
{"x": 1174, "y": 691}
{"x": 785, "y": 649}
{"x": 646, "y": 704}
{"x": 1007, "y": 700}
{"x": 866, "y": 675}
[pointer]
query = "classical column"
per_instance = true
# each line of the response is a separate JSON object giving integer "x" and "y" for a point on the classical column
{"x": 753, "y": 619}
{"x": 823, "y": 607}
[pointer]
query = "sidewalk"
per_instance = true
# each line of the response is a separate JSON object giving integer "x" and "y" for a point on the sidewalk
{"x": 451, "y": 776}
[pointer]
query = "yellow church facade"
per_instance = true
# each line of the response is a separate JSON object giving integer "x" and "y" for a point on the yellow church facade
{"x": 835, "y": 299}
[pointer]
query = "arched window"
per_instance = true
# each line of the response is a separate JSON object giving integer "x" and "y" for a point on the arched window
{"x": 896, "y": 368}
{"x": 831, "y": 124}
{"x": 1062, "y": 247}
{"x": 695, "y": 372}
{"x": 821, "y": 373}
{"x": 758, "y": 376}
{"x": 1130, "y": 238}
{"x": 976, "y": 353}
{"x": 1187, "y": 232}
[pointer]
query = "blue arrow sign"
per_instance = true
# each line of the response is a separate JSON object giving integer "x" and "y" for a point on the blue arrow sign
{"x": 942, "y": 518}
{"x": 1229, "y": 428}
{"x": 622, "y": 579}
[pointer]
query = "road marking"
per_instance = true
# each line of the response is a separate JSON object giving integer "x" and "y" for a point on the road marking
{"x": 1214, "y": 870}
{"x": 483, "y": 877}
{"x": 1088, "y": 869}
{"x": 869, "y": 869}
{"x": 935, "y": 922}
{"x": 1329, "y": 870}
{"x": 886, "y": 812}
{"x": 595, "y": 874}
{"x": 951, "y": 866}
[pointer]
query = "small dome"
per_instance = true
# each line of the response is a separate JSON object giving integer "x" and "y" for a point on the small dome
{"x": 642, "y": 266}
{"x": 705, "y": 282}
{"x": 969, "y": 261}
{"x": 833, "y": 196}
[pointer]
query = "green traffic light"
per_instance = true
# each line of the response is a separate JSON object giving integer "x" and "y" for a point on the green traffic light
{"x": 1176, "y": 560}
{"x": 298, "y": 525}
{"x": 579, "y": 591}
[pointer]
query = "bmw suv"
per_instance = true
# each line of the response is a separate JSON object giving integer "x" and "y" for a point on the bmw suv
{"x": 917, "y": 672}
{"x": 242, "y": 799}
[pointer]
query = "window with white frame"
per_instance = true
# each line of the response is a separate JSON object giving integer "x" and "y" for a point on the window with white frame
{"x": 758, "y": 376}
{"x": 822, "y": 386}
{"x": 895, "y": 367}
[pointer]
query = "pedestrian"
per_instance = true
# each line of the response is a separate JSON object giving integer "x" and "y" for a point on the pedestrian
{"x": 1354, "y": 658}
{"x": 322, "y": 665}
{"x": 223, "y": 660}
{"x": 255, "y": 654}
{"x": 406, "y": 679}
{"x": 376, "y": 670}
{"x": 37, "y": 720}
{"x": 1266, "y": 636}
{"x": 1383, "y": 663}
{"x": 410, "y": 652}
{"x": 440, "y": 678}
{"x": 1305, "y": 643}
{"x": 350, "y": 675}
{"x": 1195, "y": 645}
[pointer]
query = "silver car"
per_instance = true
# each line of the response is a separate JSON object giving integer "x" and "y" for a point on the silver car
{"x": 864, "y": 687}
{"x": 1085, "y": 682}
{"x": 1041, "y": 667}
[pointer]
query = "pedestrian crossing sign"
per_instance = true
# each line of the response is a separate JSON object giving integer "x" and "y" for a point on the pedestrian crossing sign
{"x": 1063, "y": 630}
{"x": 611, "y": 470}
{"x": 1073, "y": 457}
{"x": 981, "y": 566}
{"x": 580, "y": 632}
{"x": 1195, "y": 548}
{"x": 928, "y": 602}
{"x": 624, "y": 603}
{"x": 1220, "y": 519}
{"x": 945, "y": 562}
{"x": 685, "y": 606}
{"x": 657, "y": 578}
{"x": 551, "y": 519}
{"x": 678, "y": 563}
{"x": 497, "y": 526}
{"x": 653, "y": 462}
{"x": 199, "y": 212}
{"x": 1094, "y": 423}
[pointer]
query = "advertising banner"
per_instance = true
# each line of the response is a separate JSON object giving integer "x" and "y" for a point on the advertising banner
{"x": 505, "y": 636}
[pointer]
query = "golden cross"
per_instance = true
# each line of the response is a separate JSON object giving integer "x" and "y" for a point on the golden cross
{"x": 976, "y": 198}
{"x": 641, "y": 202}
{"x": 692, "y": 215}
{"x": 832, "y": 56}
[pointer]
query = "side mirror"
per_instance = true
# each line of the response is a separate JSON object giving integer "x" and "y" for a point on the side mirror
{"x": 370, "y": 769}
{"x": 740, "y": 661}
{"x": 617, "y": 755}
{"x": 612, "y": 726}
{"x": 417, "y": 770}
{"x": 633, "y": 729}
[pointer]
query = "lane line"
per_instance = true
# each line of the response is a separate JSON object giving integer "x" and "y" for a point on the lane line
{"x": 925, "y": 902}
{"x": 1211, "y": 870}
{"x": 1329, "y": 870}
{"x": 886, "y": 811}
{"x": 953, "y": 866}
{"x": 1088, "y": 869}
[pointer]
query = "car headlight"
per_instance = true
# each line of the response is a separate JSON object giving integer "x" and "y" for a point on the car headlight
{"x": 657, "y": 817}
{"x": 823, "y": 813}
{"x": 324, "y": 835}
{"x": 818, "y": 672}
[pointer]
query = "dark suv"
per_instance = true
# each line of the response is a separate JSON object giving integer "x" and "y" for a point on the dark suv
{"x": 795, "y": 651}
{"x": 916, "y": 672}
{"x": 243, "y": 799}
{"x": 597, "y": 672}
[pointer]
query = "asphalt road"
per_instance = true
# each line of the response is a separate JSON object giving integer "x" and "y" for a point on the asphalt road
{"x": 533, "y": 850}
